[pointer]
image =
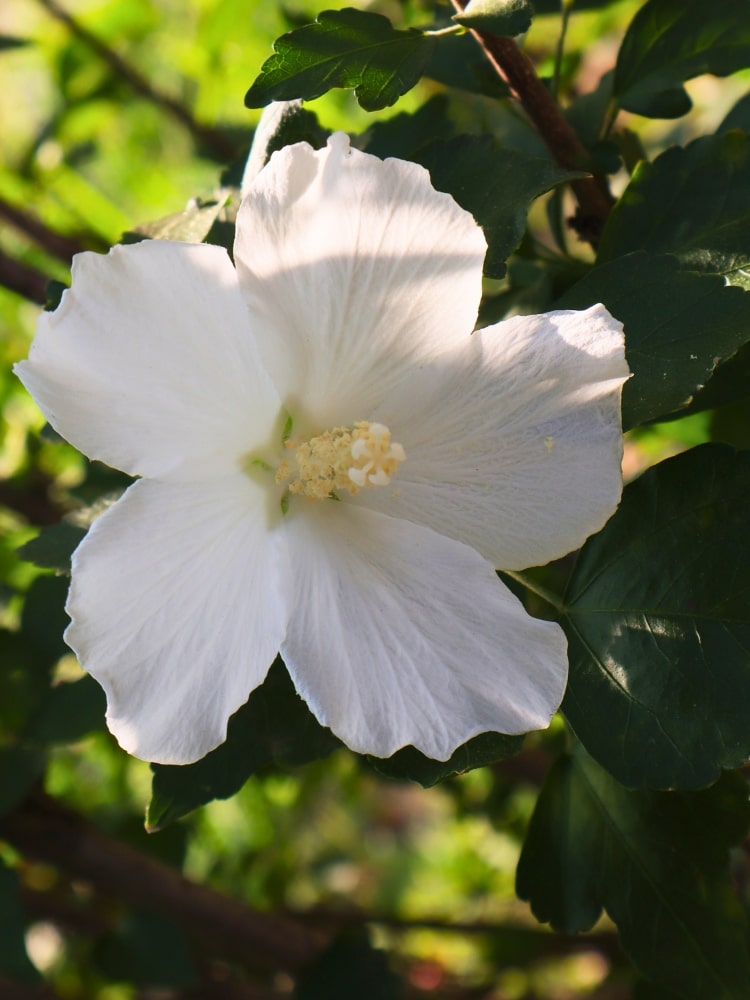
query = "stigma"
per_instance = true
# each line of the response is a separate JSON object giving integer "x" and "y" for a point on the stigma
{"x": 341, "y": 460}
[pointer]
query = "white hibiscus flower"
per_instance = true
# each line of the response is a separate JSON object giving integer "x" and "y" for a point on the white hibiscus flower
{"x": 332, "y": 466}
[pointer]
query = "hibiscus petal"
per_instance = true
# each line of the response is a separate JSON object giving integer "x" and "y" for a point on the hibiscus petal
{"x": 513, "y": 445}
{"x": 354, "y": 269}
{"x": 149, "y": 363}
{"x": 178, "y": 610}
{"x": 400, "y": 636}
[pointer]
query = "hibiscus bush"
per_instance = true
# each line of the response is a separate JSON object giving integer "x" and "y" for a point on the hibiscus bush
{"x": 378, "y": 522}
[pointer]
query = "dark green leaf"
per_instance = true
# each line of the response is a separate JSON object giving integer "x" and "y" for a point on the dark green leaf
{"x": 68, "y": 712}
{"x": 14, "y": 960}
{"x": 20, "y": 769}
{"x": 657, "y": 862}
{"x": 679, "y": 326}
{"x": 670, "y": 41}
{"x": 501, "y": 17}
{"x": 738, "y": 116}
{"x": 283, "y": 123}
{"x": 495, "y": 184}
{"x": 644, "y": 990}
{"x": 44, "y": 620}
{"x": 54, "y": 292}
{"x": 345, "y": 48}
{"x": 273, "y": 727}
{"x": 459, "y": 62}
{"x": 658, "y": 623}
{"x": 481, "y": 750}
{"x": 149, "y": 950}
{"x": 405, "y": 135}
{"x": 54, "y": 546}
{"x": 349, "y": 968}
{"x": 23, "y": 682}
{"x": 297, "y": 124}
{"x": 692, "y": 202}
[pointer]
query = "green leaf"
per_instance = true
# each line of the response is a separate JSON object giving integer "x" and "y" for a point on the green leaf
{"x": 730, "y": 383}
{"x": 679, "y": 326}
{"x": 43, "y": 621}
{"x": 405, "y": 135}
{"x": 149, "y": 950}
{"x": 657, "y": 862}
{"x": 458, "y": 62}
{"x": 693, "y": 203}
{"x": 343, "y": 48}
{"x": 658, "y": 624}
{"x": 23, "y": 682}
{"x": 20, "y": 769}
{"x": 53, "y": 547}
{"x": 189, "y": 226}
{"x": 670, "y": 41}
{"x": 410, "y": 764}
{"x": 501, "y": 17}
{"x": 738, "y": 116}
{"x": 350, "y": 967}
{"x": 14, "y": 960}
{"x": 68, "y": 712}
{"x": 274, "y": 726}
{"x": 495, "y": 184}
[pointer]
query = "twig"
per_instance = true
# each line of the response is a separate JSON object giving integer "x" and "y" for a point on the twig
{"x": 516, "y": 69}
{"x": 23, "y": 279}
{"x": 548, "y": 944}
{"x": 45, "y": 829}
{"x": 210, "y": 137}
{"x": 57, "y": 245}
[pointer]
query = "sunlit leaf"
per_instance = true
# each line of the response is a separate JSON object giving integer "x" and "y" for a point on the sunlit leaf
{"x": 189, "y": 226}
{"x": 348, "y": 48}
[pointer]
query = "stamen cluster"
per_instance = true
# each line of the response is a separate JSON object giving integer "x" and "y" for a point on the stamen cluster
{"x": 341, "y": 459}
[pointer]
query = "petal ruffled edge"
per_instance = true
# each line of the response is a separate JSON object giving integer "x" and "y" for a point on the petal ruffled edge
{"x": 355, "y": 270}
{"x": 149, "y": 363}
{"x": 178, "y": 607}
{"x": 400, "y": 636}
{"x": 514, "y": 445}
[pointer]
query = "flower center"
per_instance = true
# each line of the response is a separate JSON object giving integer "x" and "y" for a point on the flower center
{"x": 345, "y": 458}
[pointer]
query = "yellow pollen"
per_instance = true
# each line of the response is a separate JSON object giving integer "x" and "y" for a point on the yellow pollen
{"x": 342, "y": 459}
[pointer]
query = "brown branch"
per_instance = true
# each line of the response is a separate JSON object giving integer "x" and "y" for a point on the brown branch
{"x": 205, "y": 134}
{"x": 22, "y": 991}
{"x": 516, "y": 69}
{"x": 57, "y": 245}
{"x": 44, "y": 829}
{"x": 23, "y": 279}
